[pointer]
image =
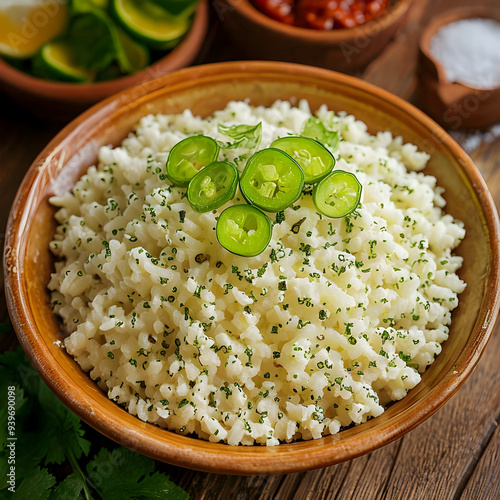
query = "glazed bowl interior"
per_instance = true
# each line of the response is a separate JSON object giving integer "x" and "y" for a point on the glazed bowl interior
{"x": 204, "y": 89}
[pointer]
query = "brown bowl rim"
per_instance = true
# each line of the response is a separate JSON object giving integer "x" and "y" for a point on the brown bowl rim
{"x": 182, "y": 55}
{"x": 345, "y": 35}
{"x": 214, "y": 457}
{"x": 448, "y": 17}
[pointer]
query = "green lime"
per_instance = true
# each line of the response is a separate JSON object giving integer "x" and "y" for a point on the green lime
{"x": 150, "y": 23}
{"x": 22, "y": 32}
{"x": 103, "y": 4}
{"x": 178, "y": 7}
{"x": 58, "y": 60}
{"x": 132, "y": 56}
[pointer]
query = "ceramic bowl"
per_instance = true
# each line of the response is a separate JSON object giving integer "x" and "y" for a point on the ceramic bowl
{"x": 60, "y": 101}
{"x": 455, "y": 105}
{"x": 204, "y": 89}
{"x": 260, "y": 37}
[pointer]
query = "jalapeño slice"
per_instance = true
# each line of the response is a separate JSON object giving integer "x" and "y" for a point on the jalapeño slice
{"x": 213, "y": 186}
{"x": 244, "y": 230}
{"x": 271, "y": 180}
{"x": 314, "y": 159}
{"x": 189, "y": 156}
{"x": 338, "y": 194}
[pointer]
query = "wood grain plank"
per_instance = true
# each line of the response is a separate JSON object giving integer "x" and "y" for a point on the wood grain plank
{"x": 369, "y": 482}
{"x": 205, "y": 486}
{"x": 323, "y": 483}
{"x": 487, "y": 159}
{"x": 22, "y": 137}
{"x": 395, "y": 69}
{"x": 485, "y": 481}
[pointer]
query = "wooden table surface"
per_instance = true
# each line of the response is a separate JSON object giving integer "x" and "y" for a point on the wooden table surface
{"x": 455, "y": 453}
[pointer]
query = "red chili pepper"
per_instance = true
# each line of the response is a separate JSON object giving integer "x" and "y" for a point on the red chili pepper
{"x": 280, "y": 10}
{"x": 323, "y": 14}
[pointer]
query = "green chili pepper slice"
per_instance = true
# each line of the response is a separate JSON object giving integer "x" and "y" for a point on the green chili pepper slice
{"x": 213, "y": 186}
{"x": 244, "y": 230}
{"x": 271, "y": 180}
{"x": 189, "y": 156}
{"x": 338, "y": 194}
{"x": 314, "y": 159}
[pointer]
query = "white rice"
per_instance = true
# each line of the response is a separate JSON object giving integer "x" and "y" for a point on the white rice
{"x": 320, "y": 331}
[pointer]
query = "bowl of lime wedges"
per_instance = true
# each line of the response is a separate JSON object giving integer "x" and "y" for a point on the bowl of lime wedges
{"x": 58, "y": 57}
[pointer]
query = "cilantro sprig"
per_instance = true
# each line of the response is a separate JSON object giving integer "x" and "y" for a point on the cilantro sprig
{"x": 316, "y": 129}
{"x": 246, "y": 136}
{"x": 49, "y": 435}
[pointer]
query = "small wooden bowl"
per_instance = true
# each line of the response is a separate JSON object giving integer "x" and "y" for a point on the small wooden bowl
{"x": 455, "y": 105}
{"x": 260, "y": 37}
{"x": 205, "y": 89}
{"x": 60, "y": 101}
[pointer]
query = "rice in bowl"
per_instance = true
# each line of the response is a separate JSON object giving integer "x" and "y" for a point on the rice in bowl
{"x": 337, "y": 317}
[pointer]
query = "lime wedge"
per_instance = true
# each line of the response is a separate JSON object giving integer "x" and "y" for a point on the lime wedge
{"x": 103, "y": 4}
{"x": 132, "y": 56}
{"x": 58, "y": 60}
{"x": 26, "y": 25}
{"x": 150, "y": 23}
{"x": 178, "y": 7}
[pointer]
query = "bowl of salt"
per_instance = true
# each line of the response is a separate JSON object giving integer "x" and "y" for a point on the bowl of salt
{"x": 459, "y": 72}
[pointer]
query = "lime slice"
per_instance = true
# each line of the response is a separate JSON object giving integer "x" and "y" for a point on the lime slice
{"x": 132, "y": 56}
{"x": 58, "y": 60}
{"x": 26, "y": 25}
{"x": 103, "y": 4}
{"x": 178, "y": 7}
{"x": 150, "y": 23}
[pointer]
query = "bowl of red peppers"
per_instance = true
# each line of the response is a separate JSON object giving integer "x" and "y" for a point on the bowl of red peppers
{"x": 335, "y": 34}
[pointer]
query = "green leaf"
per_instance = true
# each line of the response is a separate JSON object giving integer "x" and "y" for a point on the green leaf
{"x": 70, "y": 488}
{"x": 103, "y": 4}
{"x": 247, "y": 136}
{"x": 92, "y": 41}
{"x": 20, "y": 401}
{"x": 92, "y": 25}
{"x": 4, "y": 469}
{"x": 85, "y": 6}
{"x": 122, "y": 473}
{"x": 315, "y": 129}
{"x": 178, "y": 7}
{"x": 16, "y": 372}
{"x": 15, "y": 369}
{"x": 55, "y": 436}
{"x": 35, "y": 486}
{"x": 29, "y": 448}
{"x": 62, "y": 432}
{"x": 5, "y": 327}
{"x": 132, "y": 56}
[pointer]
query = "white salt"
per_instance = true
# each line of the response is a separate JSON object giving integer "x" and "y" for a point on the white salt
{"x": 469, "y": 51}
